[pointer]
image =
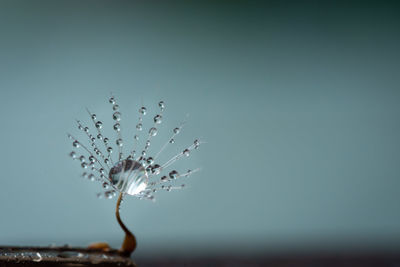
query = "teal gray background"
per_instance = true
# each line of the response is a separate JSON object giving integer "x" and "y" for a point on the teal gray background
{"x": 298, "y": 102}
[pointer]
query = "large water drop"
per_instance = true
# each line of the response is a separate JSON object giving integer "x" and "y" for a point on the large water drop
{"x": 129, "y": 177}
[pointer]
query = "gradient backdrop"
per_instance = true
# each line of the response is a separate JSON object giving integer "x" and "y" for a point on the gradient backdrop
{"x": 298, "y": 102}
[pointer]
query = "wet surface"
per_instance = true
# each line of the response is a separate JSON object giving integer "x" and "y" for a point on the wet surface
{"x": 60, "y": 256}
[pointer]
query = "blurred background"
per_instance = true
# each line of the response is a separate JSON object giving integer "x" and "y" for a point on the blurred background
{"x": 298, "y": 102}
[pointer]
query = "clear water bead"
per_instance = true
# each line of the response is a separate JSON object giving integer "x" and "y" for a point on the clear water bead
{"x": 75, "y": 144}
{"x": 117, "y": 127}
{"x": 117, "y": 116}
{"x": 158, "y": 119}
{"x": 171, "y": 141}
{"x": 115, "y": 107}
{"x": 72, "y": 155}
{"x": 112, "y": 100}
{"x": 129, "y": 177}
{"x": 99, "y": 124}
{"x": 186, "y": 152}
{"x": 177, "y": 130}
{"x": 173, "y": 174}
{"x": 196, "y": 144}
{"x": 119, "y": 142}
{"x": 109, "y": 149}
{"x": 161, "y": 104}
{"x": 153, "y": 131}
{"x": 93, "y": 116}
{"x": 142, "y": 110}
{"x": 139, "y": 126}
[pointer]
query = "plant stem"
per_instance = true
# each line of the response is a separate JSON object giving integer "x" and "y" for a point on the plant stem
{"x": 129, "y": 244}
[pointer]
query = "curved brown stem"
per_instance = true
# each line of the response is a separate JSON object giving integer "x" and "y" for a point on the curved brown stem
{"x": 129, "y": 244}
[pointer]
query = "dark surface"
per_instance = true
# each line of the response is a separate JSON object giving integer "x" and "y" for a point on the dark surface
{"x": 331, "y": 260}
{"x": 68, "y": 256}
{"x": 61, "y": 256}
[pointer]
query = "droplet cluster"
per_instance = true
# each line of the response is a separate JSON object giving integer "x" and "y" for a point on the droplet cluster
{"x": 137, "y": 174}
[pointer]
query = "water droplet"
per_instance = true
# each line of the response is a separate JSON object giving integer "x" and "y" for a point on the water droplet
{"x": 72, "y": 155}
{"x": 105, "y": 185}
{"x": 161, "y": 104}
{"x": 158, "y": 119}
{"x": 186, "y": 152}
{"x": 108, "y": 195}
{"x": 82, "y": 158}
{"x": 153, "y": 131}
{"x": 99, "y": 136}
{"x": 136, "y": 137}
{"x": 142, "y": 110}
{"x": 196, "y": 144}
{"x": 101, "y": 170}
{"x": 139, "y": 126}
{"x": 156, "y": 169}
{"x": 177, "y": 130}
{"x": 119, "y": 142}
{"x": 84, "y": 165}
{"x": 112, "y": 100}
{"x": 84, "y": 175}
{"x": 150, "y": 160}
{"x": 164, "y": 178}
{"x": 91, "y": 177}
{"x": 93, "y": 116}
{"x": 105, "y": 140}
{"x": 109, "y": 149}
{"x": 173, "y": 174}
{"x": 99, "y": 125}
{"x": 75, "y": 144}
{"x": 172, "y": 141}
{"x": 37, "y": 257}
{"x": 86, "y": 129}
{"x": 106, "y": 160}
{"x": 143, "y": 153}
{"x": 117, "y": 127}
{"x": 115, "y": 107}
{"x": 92, "y": 159}
{"x": 117, "y": 116}
{"x": 129, "y": 176}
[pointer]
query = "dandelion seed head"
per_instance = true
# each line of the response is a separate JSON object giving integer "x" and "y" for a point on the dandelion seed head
{"x": 139, "y": 175}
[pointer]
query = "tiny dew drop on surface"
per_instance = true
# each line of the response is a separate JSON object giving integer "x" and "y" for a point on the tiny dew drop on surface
{"x": 99, "y": 125}
{"x": 177, "y": 130}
